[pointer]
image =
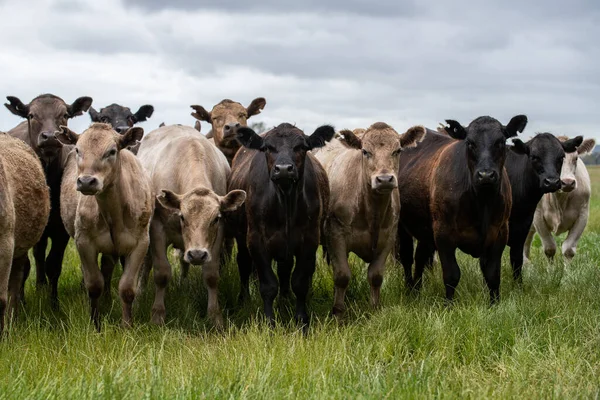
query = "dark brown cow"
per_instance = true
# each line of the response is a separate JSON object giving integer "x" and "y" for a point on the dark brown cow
{"x": 225, "y": 117}
{"x": 456, "y": 194}
{"x": 45, "y": 114}
{"x": 287, "y": 197}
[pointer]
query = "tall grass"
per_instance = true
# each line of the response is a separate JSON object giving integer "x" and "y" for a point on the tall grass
{"x": 542, "y": 340}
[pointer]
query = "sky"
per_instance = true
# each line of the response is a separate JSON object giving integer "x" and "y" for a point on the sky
{"x": 348, "y": 63}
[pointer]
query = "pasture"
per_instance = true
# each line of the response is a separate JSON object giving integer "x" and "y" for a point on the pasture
{"x": 542, "y": 340}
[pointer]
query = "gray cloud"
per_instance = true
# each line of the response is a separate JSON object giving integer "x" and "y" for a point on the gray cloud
{"x": 346, "y": 63}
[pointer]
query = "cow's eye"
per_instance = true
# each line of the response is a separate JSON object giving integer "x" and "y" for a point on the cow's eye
{"x": 499, "y": 144}
{"x": 367, "y": 153}
{"x": 535, "y": 159}
{"x": 181, "y": 217}
{"x": 30, "y": 116}
{"x": 242, "y": 116}
{"x": 272, "y": 149}
{"x": 66, "y": 116}
{"x": 110, "y": 153}
{"x": 471, "y": 145}
{"x": 105, "y": 120}
{"x": 397, "y": 152}
{"x": 216, "y": 219}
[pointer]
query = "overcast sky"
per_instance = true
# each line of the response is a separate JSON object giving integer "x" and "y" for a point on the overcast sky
{"x": 345, "y": 62}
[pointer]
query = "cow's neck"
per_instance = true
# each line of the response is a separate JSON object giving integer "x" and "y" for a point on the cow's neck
{"x": 288, "y": 204}
{"x": 377, "y": 208}
{"x": 110, "y": 207}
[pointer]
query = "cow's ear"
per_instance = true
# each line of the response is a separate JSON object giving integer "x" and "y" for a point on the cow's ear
{"x": 455, "y": 130}
{"x": 256, "y": 106}
{"x": 320, "y": 136}
{"x": 66, "y": 136}
{"x": 413, "y": 136}
{"x": 143, "y": 113}
{"x": 516, "y": 125}
{"x": 130, "y": 137}
{"x": 586, "y": 147}
{"x": 17, "y": 107}
{"x": 161, "y": 125}
{"x": 519, "y": 147}
{"x": 571, "y": 145}
{"x": 201, "y": 114}
{"x": 349, "y": 139}
{"x": 168, "y": 199}
{"x": 79, "y": 106}
{"x": 232, "y": 200}
{"x": 248, "y": 138}
{"x": 94, "y": 115}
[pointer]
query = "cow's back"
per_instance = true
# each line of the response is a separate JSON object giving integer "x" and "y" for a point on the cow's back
{"x": 179, "y": 158}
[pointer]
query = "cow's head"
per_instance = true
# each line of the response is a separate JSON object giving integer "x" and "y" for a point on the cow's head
{"x": 485, "y": 146}
{"x": 121, "y": 118}
{"x": 228, "y": 115}
{"x": 546, "y": 154}
{"x": 285, "y": 148}
{"x": 568, "y": 173}
{"x": 381, "y": 146}
{"x": 97, "y": 152}
{"x": 201, "y": 212}
{"x": 45, "y": 114}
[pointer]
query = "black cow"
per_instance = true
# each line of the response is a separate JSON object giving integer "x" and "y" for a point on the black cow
{"x": 287, "y": 195}
{"x": 121, "y": 118}
{"x": 456, "y": 194}
{"x": 533, "y": 169}
{"x": 44, "y": 115}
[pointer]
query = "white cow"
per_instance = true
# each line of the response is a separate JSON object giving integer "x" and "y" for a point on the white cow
{"x": 567, "y": 209}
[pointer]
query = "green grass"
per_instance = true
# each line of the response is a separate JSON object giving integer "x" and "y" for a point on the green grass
{"x": 542, "y": 340}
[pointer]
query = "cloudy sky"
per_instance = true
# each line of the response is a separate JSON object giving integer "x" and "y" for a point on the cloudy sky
{"x": 345, "y": 62}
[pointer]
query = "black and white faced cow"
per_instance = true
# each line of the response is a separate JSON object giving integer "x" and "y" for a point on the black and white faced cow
{"x": 566, "y": 210}
{"x": 533, "y": 170}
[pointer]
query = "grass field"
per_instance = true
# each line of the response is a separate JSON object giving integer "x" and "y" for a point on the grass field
{"x": 542, "y": 340}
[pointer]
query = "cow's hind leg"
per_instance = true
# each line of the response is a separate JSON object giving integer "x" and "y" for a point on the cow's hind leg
{"x": 450, "y": 268}
{"x": 404, "y": 253}
{"x": 60, "y": 240}
{"x": 423, "y": 259}
{"x": 162, "y": 271}
{"x": 39, "y": 255}
{"x": 244, "y": 261}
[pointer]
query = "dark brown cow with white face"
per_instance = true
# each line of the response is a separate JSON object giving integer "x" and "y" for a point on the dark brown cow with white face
{"x": 225, "y": 117}
{"x": 44, "y": 115}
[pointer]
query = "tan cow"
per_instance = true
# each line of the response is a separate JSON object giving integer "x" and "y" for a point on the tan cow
{"x": 224, "y": 118}
{"x": 106, "y": 206}
{"x": 365, "y": 204}
{"x": 566, "y": 210}
{"x": 24, "y": 210}
{"x": 189, "y": 175}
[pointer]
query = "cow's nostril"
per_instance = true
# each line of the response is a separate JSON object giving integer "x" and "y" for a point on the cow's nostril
{"x": 277, "y": 169}
{"x": 290, "y": 168}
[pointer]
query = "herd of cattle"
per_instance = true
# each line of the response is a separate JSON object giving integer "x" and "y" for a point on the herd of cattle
{"x": 374, "y": 192}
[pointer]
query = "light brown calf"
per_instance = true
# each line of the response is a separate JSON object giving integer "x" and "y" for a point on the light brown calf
{"x": 106, "y": 205}
{"x": 24, "y": 210}
{"x": 189, "y": 174}
{"x": 365, "y": 204}
{"x": 225, "y": 117}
